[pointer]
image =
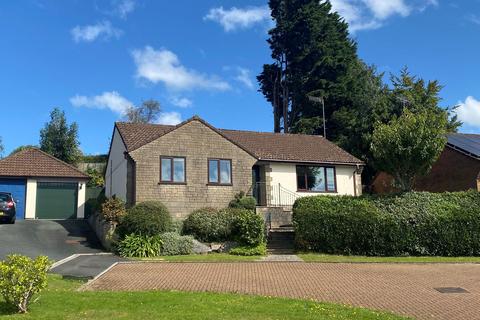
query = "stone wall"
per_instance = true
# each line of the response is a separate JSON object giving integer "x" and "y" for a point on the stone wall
{"x": 196, "y": 142}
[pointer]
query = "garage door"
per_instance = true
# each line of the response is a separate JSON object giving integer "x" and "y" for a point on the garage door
{"x": 17, "y": 187}
{"x": 56, "y": 200}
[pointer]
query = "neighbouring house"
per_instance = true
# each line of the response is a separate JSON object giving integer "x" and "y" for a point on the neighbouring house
{"x": 457, "y": 168}
{"x": 194, "y": 165}
{"x": 43, "y": 186}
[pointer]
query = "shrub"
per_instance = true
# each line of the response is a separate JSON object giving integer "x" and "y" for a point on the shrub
{"x": 174, "y": 244}
{"x": 209, "y": 224}
{"x": 248, "y": 228}
{"x": 140, "y": 246}
{"x": 258, "y": 250}
{"x": 242, "y": 201}
{"x": 113, "y": 209}
{"x": 147, "y": 218}
{"x": 416, "y": 223}
{"x": 21, "y": 278}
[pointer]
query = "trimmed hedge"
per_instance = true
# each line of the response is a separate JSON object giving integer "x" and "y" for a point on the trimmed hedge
{"x": 213, "y": 225}
{"x": 148, "y": 218}
{"x": 416, "y": 223}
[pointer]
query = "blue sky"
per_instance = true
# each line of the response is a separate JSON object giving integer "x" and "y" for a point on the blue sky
{"x": 94, "y": 58}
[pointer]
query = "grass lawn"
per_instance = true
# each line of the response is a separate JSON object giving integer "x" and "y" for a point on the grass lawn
{"x": 316, "y": 257}
{"x": 61, "y": 301}
{"x": 211, "y": 257}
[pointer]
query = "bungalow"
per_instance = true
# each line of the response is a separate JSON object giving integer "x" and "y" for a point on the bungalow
{"x": 457, "y": 168}
{"x": 194, "y": 165}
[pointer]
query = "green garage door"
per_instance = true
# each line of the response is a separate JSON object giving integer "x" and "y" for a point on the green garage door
{"x": 56, "y": 200}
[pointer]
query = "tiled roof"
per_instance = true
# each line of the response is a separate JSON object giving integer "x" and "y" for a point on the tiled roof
{"x": 468, "y": 143}
{"x": 262, "y": 145}
{"x": 33, "y": 162}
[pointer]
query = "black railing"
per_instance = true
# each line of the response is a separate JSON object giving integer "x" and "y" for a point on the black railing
{"x": 273, "y": 195}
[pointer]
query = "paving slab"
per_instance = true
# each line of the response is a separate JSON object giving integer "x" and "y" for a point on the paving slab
{"x": 282, "y": 258}
{"x": 405, "y": 289}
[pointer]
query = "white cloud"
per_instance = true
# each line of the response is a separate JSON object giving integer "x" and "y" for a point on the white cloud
{"x": 181, "y": 102}
{"x": 90, "y": 33}
{"x": 108, "y": 100}
{"x": 164, "y": 66}
{"x": 239, "y": 18}
{"x": 372, "y": 14}
{"x": 124, "y": 7}
{"x": 243, "y": 76}
{"x": 469, "y": 111}
{"x": 169, "y": 118}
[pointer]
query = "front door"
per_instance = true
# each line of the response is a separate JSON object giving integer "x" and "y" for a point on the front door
{"x": 258, "y": 185}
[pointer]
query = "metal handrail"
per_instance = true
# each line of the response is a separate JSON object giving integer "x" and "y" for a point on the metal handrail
{"x": 273, "y": 195}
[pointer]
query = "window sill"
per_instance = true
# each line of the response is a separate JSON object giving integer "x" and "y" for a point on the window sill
{"x": 172, "y": 183}
{"x": 311, "y": 191}
{"x": 220, "y": 184}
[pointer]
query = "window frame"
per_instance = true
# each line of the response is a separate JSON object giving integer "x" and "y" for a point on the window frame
{"x": 325, "y": 175}
{"x": 172, "y": 170}
{"x": 219, "y": 183}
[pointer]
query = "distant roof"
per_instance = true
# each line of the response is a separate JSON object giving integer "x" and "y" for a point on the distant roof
{"x": 33, "y": 162}
{"x": 262, "y": 145}
{"x": 466, "y": 143}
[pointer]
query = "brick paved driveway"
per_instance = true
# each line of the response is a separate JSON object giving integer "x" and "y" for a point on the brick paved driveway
{"x": 406, "y": 289}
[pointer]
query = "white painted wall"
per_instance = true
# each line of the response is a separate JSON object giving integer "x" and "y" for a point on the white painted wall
{"x": 82, "y": 190}
{"x": 116, "y": 173}
{"x": 285, "y": 174}
{"x": 31, "y": 199}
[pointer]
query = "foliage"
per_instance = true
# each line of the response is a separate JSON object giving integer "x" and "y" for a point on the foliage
{"x": 140, "y": 246}
{"x": 21, "y": 278}
{"x": 148, "y": 218}
{"x": 243, "y": 202}
{"x": 113, "y": 209}
{"x": 407, "y": 147}
{"x": 1, "y": 147}
{"x": 316, "y": 62}
{"x": 416, "y": 223}
{"x": 248, "y": 228}
{"x": 100, "y": 158}
{"x": 209, "y": 224}
{"x": 252, "y": 250}
{"x": 60, "y": 139}
{"x": 96, "y": 178}
{"x": 147, "y": 112}
{"x": 21, "y": 148}
{"x": 229, "y": 224}
{"x": 174, "y": 244}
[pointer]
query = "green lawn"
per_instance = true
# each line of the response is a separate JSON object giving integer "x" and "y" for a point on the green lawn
{"x": 316, "y": 257}
{"x": 211, "y": 257}
{"x": 61, "y": 301}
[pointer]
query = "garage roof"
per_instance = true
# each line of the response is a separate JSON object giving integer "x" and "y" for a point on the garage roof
{"x": 466, "y": 143}
{"x": 33, "y": 162}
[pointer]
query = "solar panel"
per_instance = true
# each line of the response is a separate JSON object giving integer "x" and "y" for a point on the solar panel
{"x": 469, "y": 143}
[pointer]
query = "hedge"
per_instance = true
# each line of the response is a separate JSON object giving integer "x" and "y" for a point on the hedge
{"x": 416, "y": 223}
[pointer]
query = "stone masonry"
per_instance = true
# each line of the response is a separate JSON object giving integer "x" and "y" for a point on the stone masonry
{"x": 197, "y": 143}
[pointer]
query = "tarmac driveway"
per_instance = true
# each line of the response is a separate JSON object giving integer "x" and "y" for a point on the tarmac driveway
{"x": 57, "y": 240}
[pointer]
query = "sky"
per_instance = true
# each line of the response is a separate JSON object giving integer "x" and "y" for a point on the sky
{"x": 94, "y": 59}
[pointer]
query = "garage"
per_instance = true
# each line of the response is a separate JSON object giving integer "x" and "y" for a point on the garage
{"x": 56, "y": 200}
{"x": 43, "y": 186}
{"x": 17, "y": 187}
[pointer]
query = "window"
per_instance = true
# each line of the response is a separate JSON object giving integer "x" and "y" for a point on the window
{"x": 172, "y": 169}
{"x": 220, "y": 171}
{"x": 316, "y": 179}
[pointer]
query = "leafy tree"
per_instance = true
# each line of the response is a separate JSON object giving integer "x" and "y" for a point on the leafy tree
{"x": 147, "y": 112}
{"x": 96, "y": 178}
{"x": 60, "y": 139}
{"x": 408, "y": 146}
{"x": 21, "y": 148}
